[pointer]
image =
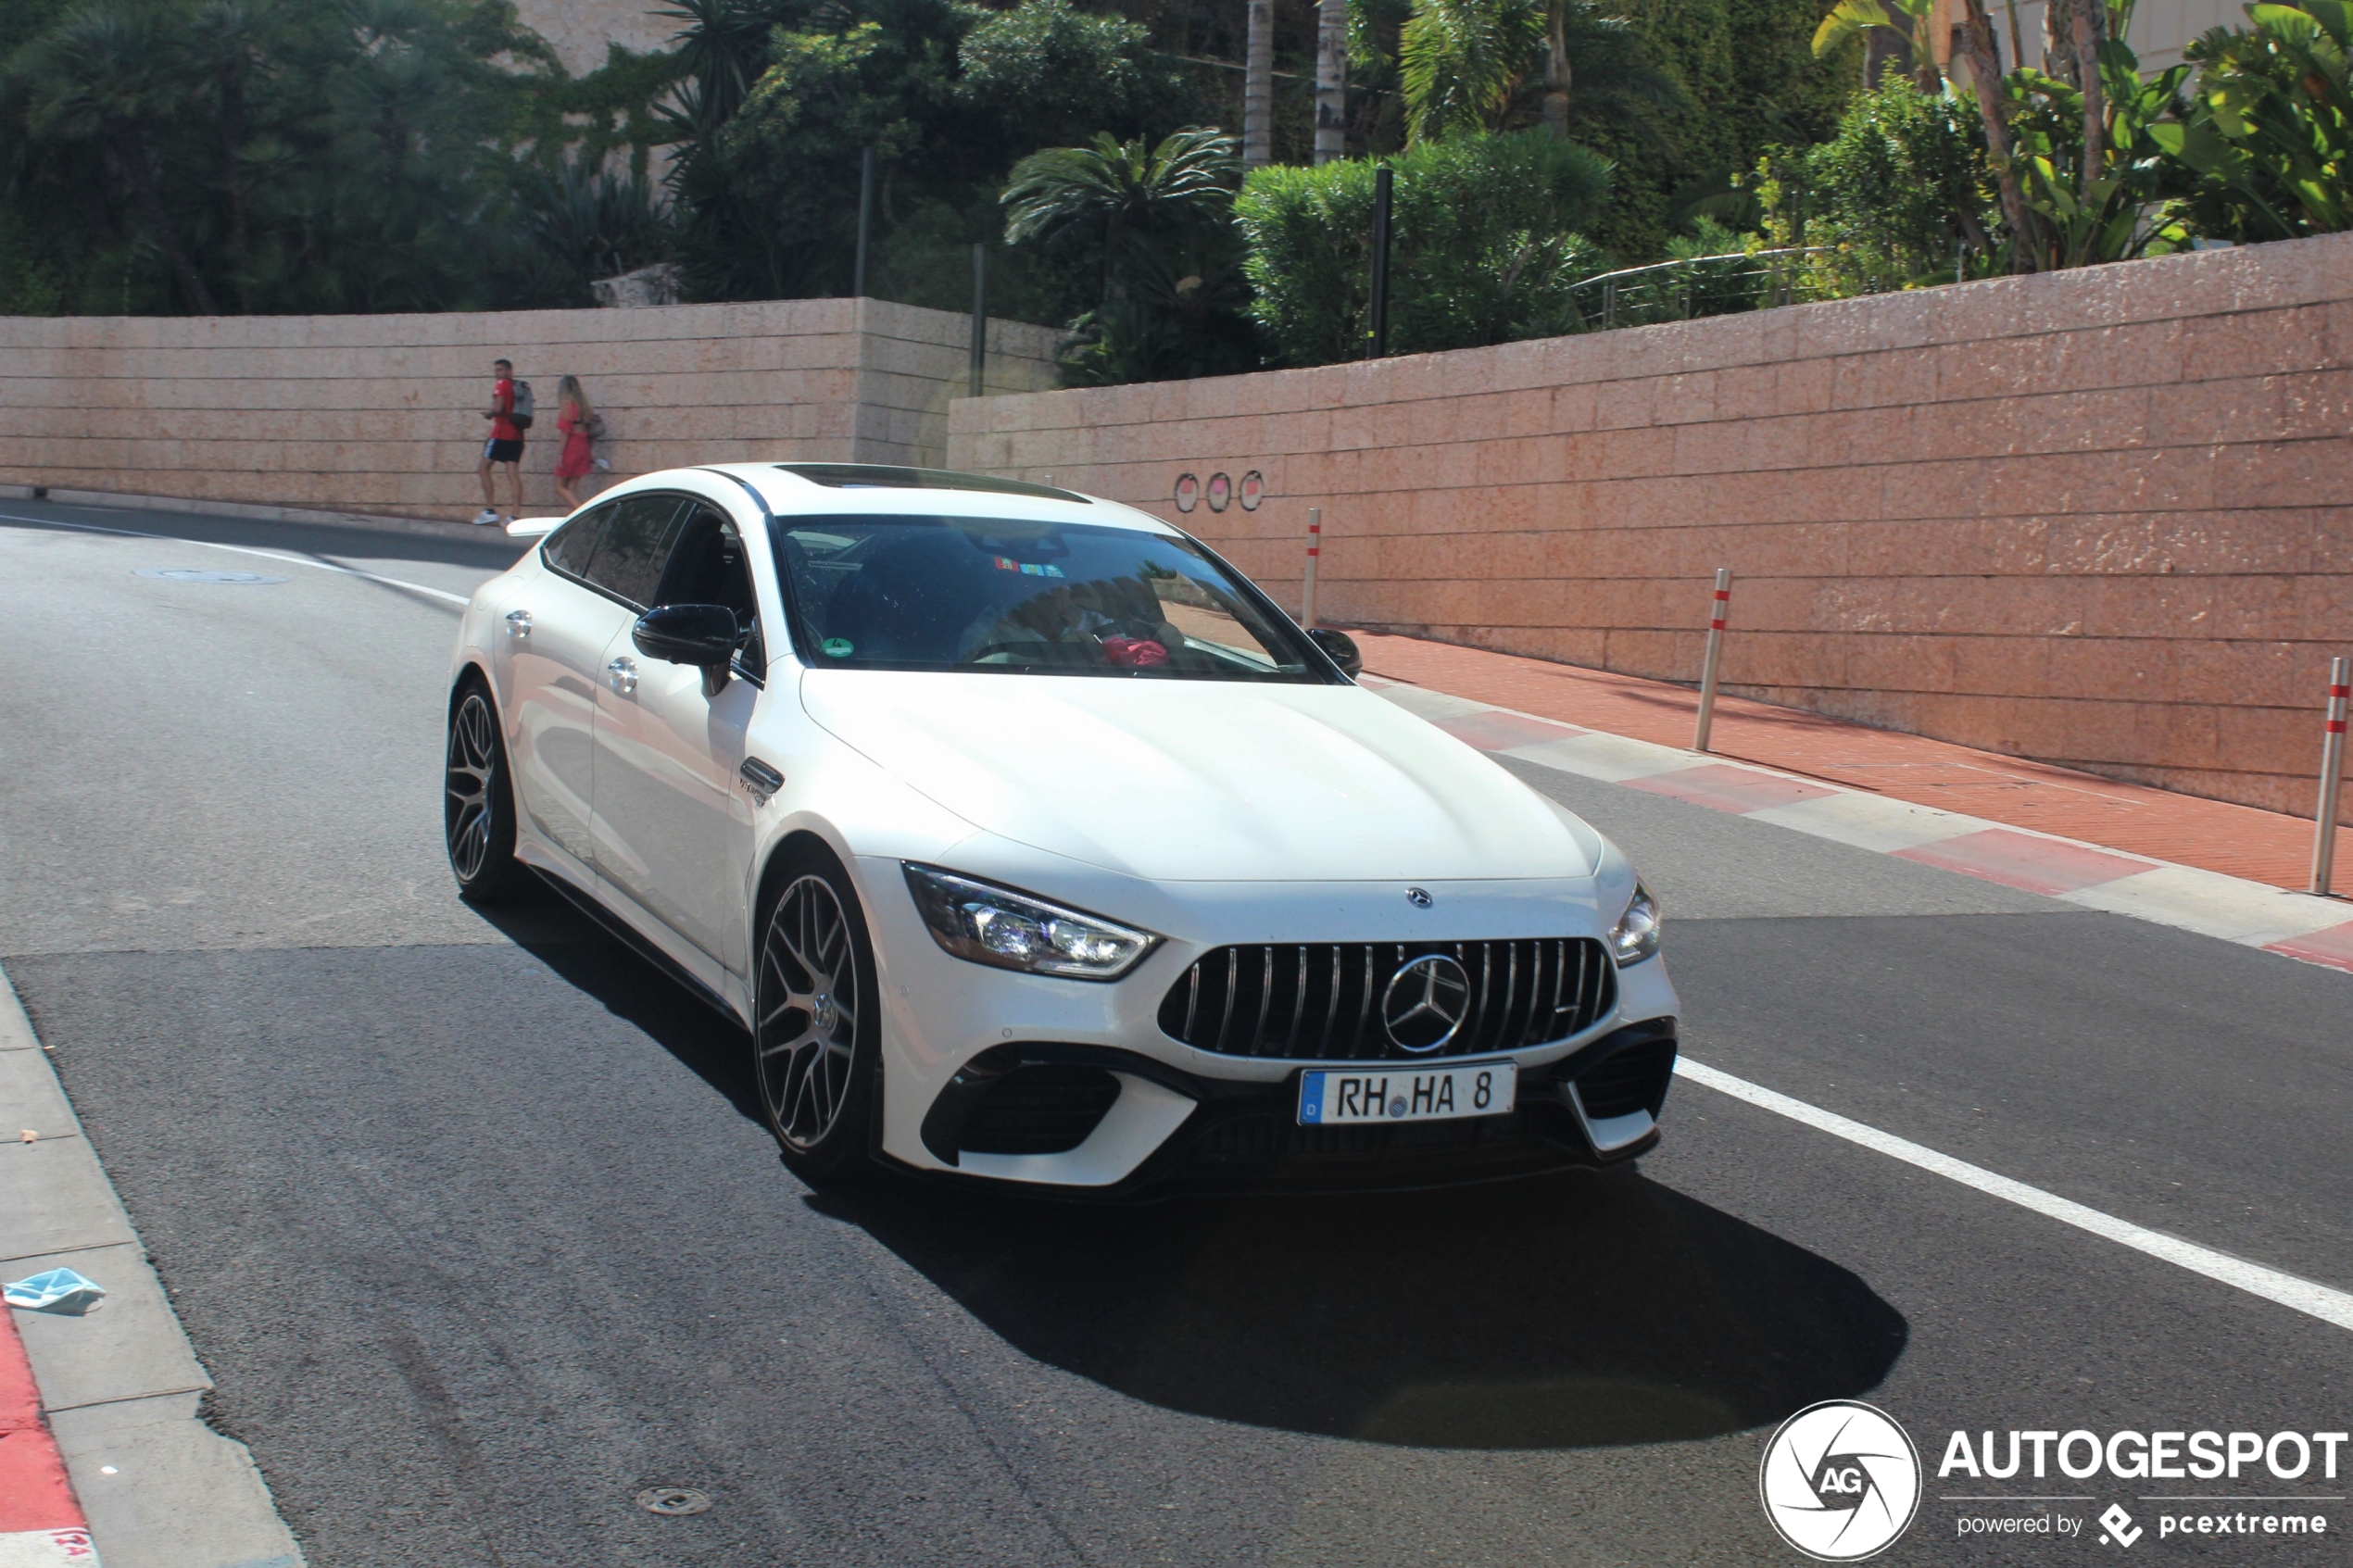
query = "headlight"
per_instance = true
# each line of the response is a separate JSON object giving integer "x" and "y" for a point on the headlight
{"x": 1635, "y": 936}
{"x": 995, "y": 925}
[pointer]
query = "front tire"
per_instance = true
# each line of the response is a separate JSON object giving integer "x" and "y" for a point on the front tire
{"x": 816, "y": 1048}
{"x": 478, "y": 801}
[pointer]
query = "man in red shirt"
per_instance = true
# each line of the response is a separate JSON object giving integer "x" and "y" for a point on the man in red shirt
{"x": 505, "y": 446}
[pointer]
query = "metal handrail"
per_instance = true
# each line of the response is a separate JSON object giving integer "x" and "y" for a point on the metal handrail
{"x": 1614, "y": 286}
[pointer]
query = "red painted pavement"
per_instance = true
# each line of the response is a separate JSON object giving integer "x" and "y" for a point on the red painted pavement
{"x": 2333, "y": 946}
{"x": 2021, "y": 860}
{"x": 34, "y": 1493}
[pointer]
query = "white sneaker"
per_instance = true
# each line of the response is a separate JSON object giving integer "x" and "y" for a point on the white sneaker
{"x": 484, "y": 518}
{"x": 603, "y": 466}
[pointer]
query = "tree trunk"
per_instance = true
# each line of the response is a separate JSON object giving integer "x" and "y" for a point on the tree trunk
{"x": 1985, "y": 82}
{"x": 1258, "y": 87}
{"x": 1331, "y": 80}
{"x": 2089, "y": 25}
{"x": 1556, "y": 73}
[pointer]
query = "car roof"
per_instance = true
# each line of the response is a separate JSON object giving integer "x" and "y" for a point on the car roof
{"x": 795, "y": 488}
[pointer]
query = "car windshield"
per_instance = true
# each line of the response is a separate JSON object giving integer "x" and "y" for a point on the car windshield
{"x": 1022, "y": 597}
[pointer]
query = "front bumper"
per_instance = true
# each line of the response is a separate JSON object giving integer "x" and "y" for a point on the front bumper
{"x": 1159, "y": 1115}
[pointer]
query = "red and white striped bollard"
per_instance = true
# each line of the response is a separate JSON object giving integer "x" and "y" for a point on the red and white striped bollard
{"x": 1314, "y": 551}
{"x": 2331, "y": 774}
{"x": 1720, "y": 607}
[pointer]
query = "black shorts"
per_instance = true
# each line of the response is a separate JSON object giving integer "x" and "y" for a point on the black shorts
{"x": 502, "y": 451}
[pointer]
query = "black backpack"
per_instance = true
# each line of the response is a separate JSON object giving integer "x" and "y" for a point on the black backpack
{"x": 520, "y": 415}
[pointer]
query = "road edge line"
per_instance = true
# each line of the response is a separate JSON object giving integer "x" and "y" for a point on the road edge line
{"x": 2325, "y": 1302}
{"x": 223, "y": 1496}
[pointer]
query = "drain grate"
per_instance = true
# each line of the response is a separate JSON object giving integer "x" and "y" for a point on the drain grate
{"x": 673, "y": 1501}
{"x": 204, "y": 574}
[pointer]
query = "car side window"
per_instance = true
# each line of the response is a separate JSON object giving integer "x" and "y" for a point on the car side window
{"x": 707, "y": 567}
{"x": 631, "y": 550}
{"x": 570, "y": 548}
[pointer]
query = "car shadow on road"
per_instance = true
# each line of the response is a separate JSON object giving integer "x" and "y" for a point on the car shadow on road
{"x": 1569, "y": 1312}
{"x": 1565, "y": 1312}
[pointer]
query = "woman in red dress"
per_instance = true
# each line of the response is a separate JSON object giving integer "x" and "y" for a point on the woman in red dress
{"x": 579, "y": 456}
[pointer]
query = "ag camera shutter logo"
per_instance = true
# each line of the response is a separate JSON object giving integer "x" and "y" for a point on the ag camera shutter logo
{"x": 1839, "y": 1481}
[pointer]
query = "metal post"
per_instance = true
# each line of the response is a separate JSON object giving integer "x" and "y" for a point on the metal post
{"x": 980, "y": 313}
{"x": 1720, "y": 607}
{"x": 865, "y": 221}
{"x": 1315, "y": 551}
{"x": 2331, "y": 774}
{"x": 1376, "y": 328}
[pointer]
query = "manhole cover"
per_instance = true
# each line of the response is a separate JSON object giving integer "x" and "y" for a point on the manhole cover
{"x": 673, "y": 1499}
{"x": 203, "y": 574}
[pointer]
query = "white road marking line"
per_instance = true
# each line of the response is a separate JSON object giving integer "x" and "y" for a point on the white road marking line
{"x": 2329, "y": 1305}
{"x": 244, "y": 550}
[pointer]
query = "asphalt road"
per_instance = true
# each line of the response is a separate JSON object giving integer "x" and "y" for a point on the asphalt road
{"x": 474, "y": 1232}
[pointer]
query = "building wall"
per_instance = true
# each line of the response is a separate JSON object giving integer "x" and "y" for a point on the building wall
{"x": 2099, "y": 517}
{"x": 580, "y": 30}
{"x": 383, "y": 413}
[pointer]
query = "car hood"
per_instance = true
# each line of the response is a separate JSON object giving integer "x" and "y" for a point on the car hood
{"x": 1202, "y": 780}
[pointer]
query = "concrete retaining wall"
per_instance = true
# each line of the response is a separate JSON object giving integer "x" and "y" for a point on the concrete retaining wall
{"x": 2099, "y": 517}
{"x": 382, "y": 413}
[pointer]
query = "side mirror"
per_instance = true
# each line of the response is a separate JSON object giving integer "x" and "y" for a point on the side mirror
{"x": 1340, "y": 647}
{"x": 700, "y": 635}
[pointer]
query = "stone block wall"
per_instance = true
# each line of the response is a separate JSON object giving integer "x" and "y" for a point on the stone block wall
{"x": 2101, "y": 518}
{"x": 383, "y": 413}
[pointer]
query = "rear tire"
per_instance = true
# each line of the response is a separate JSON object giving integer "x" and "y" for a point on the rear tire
{"x": 478, "y": 800}
{"x": 816, "y": 1029}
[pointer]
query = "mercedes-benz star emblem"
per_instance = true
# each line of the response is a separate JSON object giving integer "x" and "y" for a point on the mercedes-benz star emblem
{"x": 1424, "y": 1003}
{"x": 1419, "y": 897}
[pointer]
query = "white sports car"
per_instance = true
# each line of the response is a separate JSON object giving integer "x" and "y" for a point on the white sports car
{"x": 1031, "y": 843}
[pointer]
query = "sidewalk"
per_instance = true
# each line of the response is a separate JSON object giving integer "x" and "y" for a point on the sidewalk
{"x": 2095, "y": 841}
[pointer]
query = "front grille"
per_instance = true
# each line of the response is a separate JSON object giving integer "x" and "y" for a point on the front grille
{"x": 1628, "y": 1081}
{"x": 1322, "y": 1001}
{"x": 1044, "y": 1109}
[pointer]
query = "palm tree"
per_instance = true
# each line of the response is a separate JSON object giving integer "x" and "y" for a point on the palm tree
{"x": 1130, "y": 189}
{"x": 1258, "y": 86}
{"x": 104, "y": 76}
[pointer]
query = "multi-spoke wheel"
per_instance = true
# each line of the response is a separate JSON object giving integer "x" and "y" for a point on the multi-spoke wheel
{"x": 477, "y": 808}
{"x": 813, "y": 1040}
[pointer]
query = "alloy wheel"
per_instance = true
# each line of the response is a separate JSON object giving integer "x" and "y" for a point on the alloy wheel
{"x": 466, "y": 806}
{"x": 809, "y": 1011}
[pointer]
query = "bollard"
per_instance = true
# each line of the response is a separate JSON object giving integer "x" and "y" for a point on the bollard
{"x": 1723, "y": 603}
{"x": 2331, "y": 774}
{"x": 1315, "y": 551}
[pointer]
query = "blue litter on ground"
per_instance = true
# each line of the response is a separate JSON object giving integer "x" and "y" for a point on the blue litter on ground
{"x": 59, "y": 1290}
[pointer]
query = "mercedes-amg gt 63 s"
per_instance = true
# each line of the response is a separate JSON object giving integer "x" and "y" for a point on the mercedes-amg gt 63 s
{"x": 1030, "y": 844}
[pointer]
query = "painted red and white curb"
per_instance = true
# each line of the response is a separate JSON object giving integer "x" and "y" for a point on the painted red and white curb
{"x": 2297, "y": 926}
{"x": 41, "y": 1525}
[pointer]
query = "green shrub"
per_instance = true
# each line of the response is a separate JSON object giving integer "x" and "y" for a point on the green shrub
{"x": 1890, "y": 197}
{"x": 1485, "y": 246}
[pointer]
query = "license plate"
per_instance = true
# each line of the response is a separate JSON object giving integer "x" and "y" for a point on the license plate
{"x": 1386, "y": 1094}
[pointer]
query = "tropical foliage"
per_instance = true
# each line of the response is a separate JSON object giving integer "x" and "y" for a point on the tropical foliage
{"x": 1487, "y": 244}
{"x": 1155, "y": 223}
{"x": 276, "y": 155}
{"x": 2270, "y": 132}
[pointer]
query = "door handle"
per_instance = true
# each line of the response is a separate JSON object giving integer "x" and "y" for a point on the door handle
{"x": 519, "y": 624}
{"x": 759, "y": 780}
{"x": 621, "y": 675}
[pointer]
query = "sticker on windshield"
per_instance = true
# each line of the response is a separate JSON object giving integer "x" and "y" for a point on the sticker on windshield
{"x": 838, "y": 648}
{"x": 1027, "y": 568}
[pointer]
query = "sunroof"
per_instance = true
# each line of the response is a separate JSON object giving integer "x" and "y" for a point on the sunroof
{"x": 883, "y": 476}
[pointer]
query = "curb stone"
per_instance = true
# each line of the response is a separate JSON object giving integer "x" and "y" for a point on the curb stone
{"x": 118, "y": 1388}
{"x": 373, "y": 522}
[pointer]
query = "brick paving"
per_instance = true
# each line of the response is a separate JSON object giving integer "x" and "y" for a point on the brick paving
{"x": 2213, "y": 835}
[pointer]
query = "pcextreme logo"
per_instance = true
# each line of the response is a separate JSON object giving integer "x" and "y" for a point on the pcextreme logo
{"x": 1839, "y": 1481}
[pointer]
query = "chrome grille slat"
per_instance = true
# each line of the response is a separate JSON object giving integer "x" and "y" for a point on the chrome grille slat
{"x": 1522, "y": 994}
